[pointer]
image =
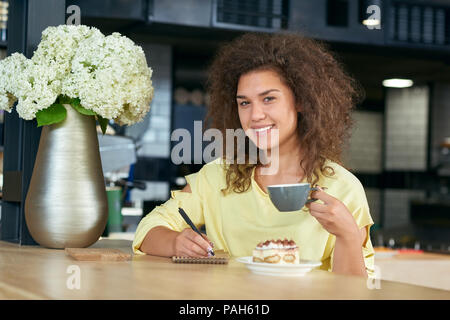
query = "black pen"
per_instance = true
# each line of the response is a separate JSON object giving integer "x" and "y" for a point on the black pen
{"x": 189, "y": 222}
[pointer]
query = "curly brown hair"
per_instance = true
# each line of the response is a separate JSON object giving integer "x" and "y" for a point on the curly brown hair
{"x": 320, "y": 85}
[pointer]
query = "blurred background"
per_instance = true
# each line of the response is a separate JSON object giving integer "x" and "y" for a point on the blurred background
{"x": 400, "y": 148}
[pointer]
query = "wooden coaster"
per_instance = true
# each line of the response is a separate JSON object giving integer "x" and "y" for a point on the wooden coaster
{"x": 97, "y": 254}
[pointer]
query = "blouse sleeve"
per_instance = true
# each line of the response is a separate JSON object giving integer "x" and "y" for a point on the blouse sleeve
{"x": 167, "y": 214}
{"x": 361, "y": 214}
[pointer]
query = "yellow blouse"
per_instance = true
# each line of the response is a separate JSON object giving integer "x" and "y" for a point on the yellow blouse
{"x": 237, "y": 222}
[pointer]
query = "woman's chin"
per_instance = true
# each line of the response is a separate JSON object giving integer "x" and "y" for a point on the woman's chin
{"x": 266, "y": 146}
{"x": 264, "y": 143}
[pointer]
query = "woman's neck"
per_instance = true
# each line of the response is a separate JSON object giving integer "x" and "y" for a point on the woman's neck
{"x": 284, "y": 162}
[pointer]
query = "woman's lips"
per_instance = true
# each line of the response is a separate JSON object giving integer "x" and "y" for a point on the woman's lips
{"x": 263, "y": 130}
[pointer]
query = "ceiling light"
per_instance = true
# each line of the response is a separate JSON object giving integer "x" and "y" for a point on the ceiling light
{"x": 398, "y": 83}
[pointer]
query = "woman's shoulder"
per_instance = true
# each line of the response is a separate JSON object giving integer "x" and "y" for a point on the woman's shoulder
{"x": 213, "y": 172}
{"x": 341, "y": 176}
{"x": 216, "y": 166}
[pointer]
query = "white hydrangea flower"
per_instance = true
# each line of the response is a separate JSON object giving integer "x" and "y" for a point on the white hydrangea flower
{"x": 29, "y": 83}
{"x": 109, "y": 75}
{"x": 11, "y": 69}
{"x": 117, "y": 68}
{"x": 58, "y": 46}
{"x": 37, "y": 90}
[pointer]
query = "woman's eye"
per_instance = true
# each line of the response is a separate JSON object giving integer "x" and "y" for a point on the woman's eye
{"x": 268, "y": 99}
{"x": 243, "y": 103}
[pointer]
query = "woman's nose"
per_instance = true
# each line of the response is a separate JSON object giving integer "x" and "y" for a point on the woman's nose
{"x": 257, "y": 112}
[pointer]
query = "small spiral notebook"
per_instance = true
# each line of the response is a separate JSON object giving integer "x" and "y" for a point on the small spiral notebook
{"x": 221, "y": 257}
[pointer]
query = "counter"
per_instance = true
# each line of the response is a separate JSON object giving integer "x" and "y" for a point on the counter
{"x": 30, "y": 272}
{"x": 423, "y": 269}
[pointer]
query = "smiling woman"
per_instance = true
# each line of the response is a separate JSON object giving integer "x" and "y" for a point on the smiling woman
{"x": 310, "y": 79}
{"x": 292, "y": 99}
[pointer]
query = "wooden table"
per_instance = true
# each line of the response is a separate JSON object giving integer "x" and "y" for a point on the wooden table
{"x": 28, "y": 272}
{"x": 422, "y": 269}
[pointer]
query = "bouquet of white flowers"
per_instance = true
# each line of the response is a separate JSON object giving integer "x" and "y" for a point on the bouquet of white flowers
{"x": 103, "y": 76}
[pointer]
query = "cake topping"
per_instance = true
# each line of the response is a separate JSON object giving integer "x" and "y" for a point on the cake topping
{"x": 277, "y": 244}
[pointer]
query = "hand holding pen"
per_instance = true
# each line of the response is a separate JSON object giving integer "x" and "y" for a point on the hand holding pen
{"x": 191, "y": 242}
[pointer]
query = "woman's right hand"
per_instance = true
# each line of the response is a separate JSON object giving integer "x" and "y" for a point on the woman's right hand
{"x": 189, "y": 243}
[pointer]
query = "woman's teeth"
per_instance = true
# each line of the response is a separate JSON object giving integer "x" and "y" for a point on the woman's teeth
{"x": 263, "y": 129}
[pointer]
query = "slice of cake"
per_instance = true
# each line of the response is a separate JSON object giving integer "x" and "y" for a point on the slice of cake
{"x": 276, "y": 251}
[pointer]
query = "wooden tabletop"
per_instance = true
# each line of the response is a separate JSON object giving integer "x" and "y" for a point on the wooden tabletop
{"x": 422, "y": 269}
{"x": 32, "y": 272}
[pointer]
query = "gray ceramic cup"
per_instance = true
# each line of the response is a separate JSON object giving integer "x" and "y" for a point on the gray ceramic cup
{"x": 290, "y": 197}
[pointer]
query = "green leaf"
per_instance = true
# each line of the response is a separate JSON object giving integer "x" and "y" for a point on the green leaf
{"x": 77, "y": 106}
{"x": 103, "y": 123}
{"x": 75, "y": 103}
{"x": 53, "y": 114}
{"x": 64, "y": 99}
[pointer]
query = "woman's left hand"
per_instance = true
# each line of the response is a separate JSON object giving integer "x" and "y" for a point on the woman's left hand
{"x": 334, "y": 216}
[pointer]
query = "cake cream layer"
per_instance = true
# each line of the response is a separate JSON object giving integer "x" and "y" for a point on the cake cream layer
{"x": 278, "y": 256}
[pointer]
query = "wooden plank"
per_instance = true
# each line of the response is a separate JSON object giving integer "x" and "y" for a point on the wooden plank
{"x": 97, "y": 254}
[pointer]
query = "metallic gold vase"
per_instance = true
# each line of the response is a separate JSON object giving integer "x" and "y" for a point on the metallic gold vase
{"x": 66, "y": 204}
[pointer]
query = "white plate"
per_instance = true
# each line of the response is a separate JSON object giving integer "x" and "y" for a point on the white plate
{"x": 280, "y": 270}
{"x": 385, "y": 254}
